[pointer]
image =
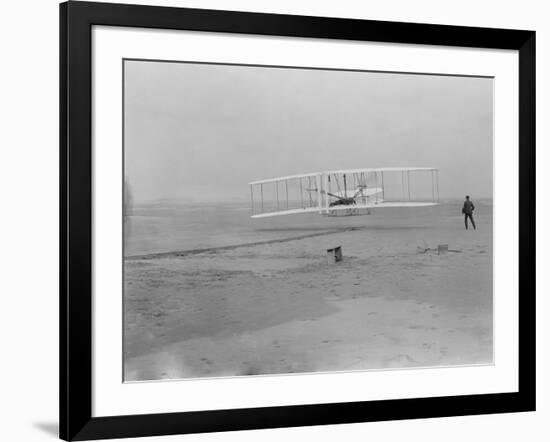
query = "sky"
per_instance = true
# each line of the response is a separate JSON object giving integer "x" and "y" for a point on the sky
{"x": 201, "y": 132}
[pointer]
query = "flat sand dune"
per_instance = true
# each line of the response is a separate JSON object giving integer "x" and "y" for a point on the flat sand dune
{"x": 280, "y": 307}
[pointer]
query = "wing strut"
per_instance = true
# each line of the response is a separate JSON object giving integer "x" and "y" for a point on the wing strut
{"x": 252, "y": 198}
{"x": 286, "y": 188}
{"x": 409, "y": 183}
{"x": 376, "y": 185}
{"x": 262, "y": 195}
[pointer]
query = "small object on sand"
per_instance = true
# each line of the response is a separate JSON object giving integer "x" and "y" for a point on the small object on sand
{"x": 334, "y": 255}
{"x": 442, "y": 249}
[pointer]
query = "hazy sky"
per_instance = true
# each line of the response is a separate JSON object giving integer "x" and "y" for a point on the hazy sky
{"x": 204, "y": 131}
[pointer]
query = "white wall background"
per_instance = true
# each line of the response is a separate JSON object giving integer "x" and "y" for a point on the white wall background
{"x": 29, "y": 217}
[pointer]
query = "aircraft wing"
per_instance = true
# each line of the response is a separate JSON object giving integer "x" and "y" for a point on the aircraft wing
{"x": 340, "y": 190}
{"x": 287, "y": 195}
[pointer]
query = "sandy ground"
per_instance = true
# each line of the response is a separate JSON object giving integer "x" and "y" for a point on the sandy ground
{"x": 281, "y": 308}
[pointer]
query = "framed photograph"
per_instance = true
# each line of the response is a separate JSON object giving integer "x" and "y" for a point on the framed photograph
{"x": 273, "y": 220}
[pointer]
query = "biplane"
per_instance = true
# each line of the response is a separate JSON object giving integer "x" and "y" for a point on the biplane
{"x": 345, "y": 192}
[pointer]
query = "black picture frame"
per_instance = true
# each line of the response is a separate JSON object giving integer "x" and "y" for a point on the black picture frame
{"x": 76, "y": 21}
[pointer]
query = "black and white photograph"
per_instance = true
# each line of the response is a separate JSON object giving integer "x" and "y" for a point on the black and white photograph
{"x": 282, "y": 220}
{"x": 242, "y": 221}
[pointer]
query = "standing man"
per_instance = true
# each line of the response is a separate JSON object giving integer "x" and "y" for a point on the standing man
{"x": 468, "y": 211}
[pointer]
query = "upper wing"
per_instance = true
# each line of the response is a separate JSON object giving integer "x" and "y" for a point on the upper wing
{"x": 383, "y": 169}
{"x": 284, "y": 178}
